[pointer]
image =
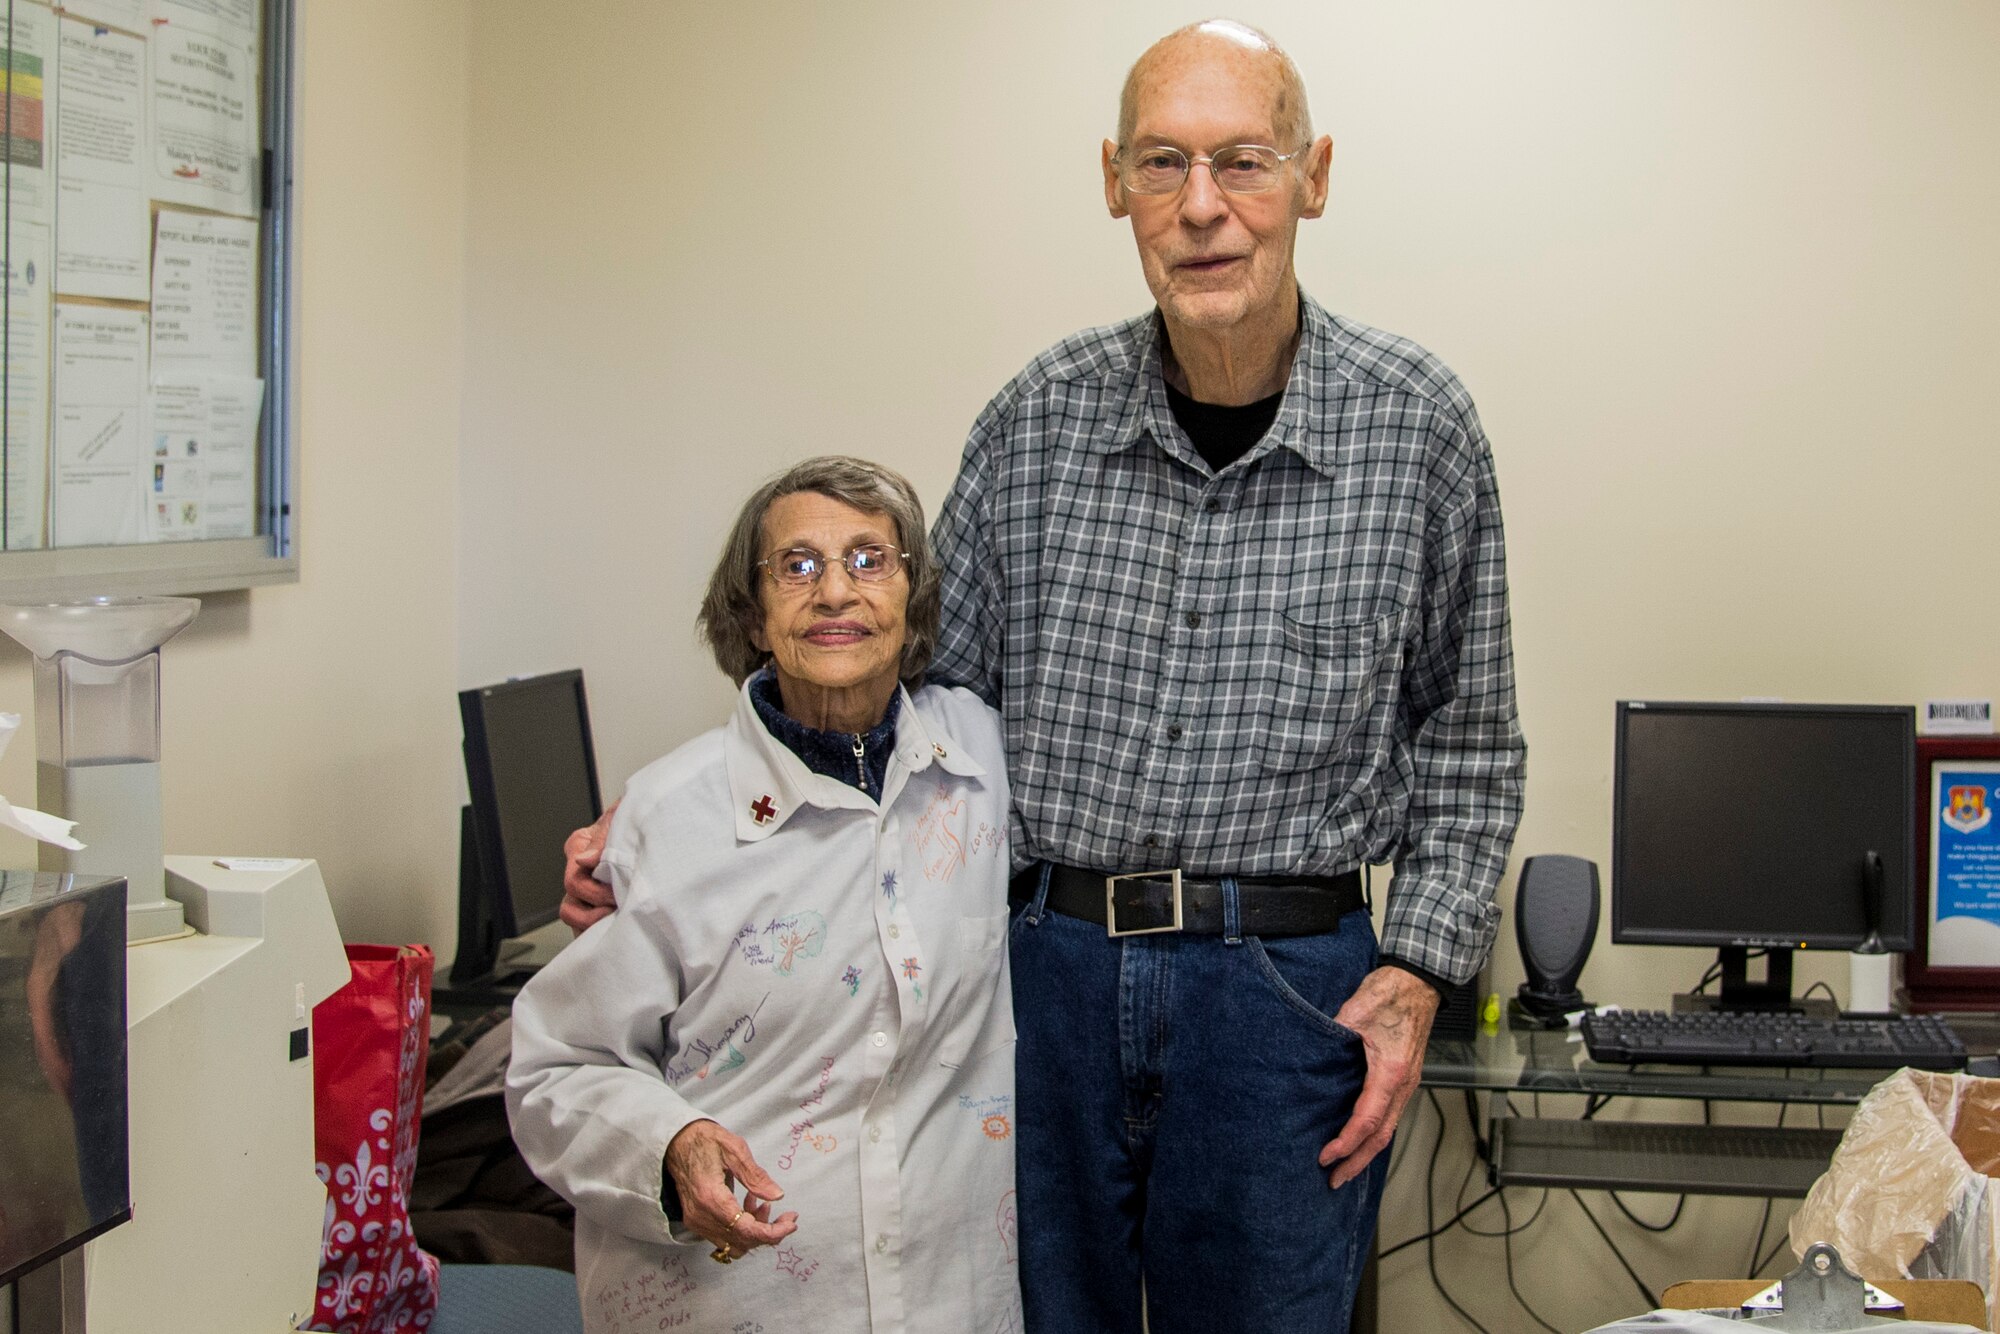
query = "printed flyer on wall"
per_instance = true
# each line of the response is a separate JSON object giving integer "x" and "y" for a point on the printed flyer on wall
{"x": 1965, "y": 865}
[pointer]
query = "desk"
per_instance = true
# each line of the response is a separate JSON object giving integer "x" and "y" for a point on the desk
{"x": 227, "y": 1213}
{"x": 521, "y": 958}
{"x": 470, "y": 1000}
{"x": 1540, "y": 1061}
{"x": 1543, "y": 1061}
{"x": 1946, "y": 1300}
{"x": 1682, "y": 1158}
{"x": 1694, "y": 1159}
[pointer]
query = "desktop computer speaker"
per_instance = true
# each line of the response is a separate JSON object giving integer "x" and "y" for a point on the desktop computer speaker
{"x": 1555, "y": 924}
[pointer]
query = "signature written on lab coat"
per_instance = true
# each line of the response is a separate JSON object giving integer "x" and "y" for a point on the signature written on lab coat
{"x": 803, "y": 1131}
{"x": 651, "y": 1300}
{"x": 705, "y": 1056}
{"x": 944, "y": 840}
{"x": 782, "y": 943}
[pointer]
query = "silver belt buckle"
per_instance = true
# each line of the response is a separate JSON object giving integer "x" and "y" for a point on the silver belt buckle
{"x": 1173, "y": 879}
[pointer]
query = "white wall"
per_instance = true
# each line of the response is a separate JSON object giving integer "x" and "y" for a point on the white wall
{"x": 1721, "y": 278}
{"x": 317, "y": 719}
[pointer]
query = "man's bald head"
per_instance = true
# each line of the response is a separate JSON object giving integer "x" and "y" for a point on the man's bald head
{"x": 1223, "y": 39}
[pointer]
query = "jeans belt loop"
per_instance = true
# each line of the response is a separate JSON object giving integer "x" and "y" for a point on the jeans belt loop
{"x": 1039, "y": 904}
{"x": 1232, "y": 912}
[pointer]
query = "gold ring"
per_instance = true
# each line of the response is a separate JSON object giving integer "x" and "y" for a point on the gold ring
{"x": 734, "y": 1221}
{"x": 721, "y": 1255}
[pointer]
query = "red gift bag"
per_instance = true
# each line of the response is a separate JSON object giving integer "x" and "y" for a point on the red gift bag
{"x": 370, "y": 1042}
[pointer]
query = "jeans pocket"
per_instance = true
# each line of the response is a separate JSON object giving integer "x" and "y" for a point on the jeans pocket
{"x": 1328, "y": 968}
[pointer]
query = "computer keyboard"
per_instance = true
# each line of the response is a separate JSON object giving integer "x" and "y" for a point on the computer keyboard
{"x": 1736, "y": 1038}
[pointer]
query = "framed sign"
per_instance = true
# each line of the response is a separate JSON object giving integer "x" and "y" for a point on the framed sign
{"x": 1956, "y": 964}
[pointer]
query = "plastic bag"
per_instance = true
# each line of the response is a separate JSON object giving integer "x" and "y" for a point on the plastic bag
{"x": 370, "y": 1042}
{"x": 1910, "y": 1192}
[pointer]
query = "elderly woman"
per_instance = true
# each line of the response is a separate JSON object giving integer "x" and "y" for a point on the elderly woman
{"x": 804, "y": 997}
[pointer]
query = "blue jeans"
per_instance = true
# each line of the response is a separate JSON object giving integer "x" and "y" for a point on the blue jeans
{"x": 1174, "y": 1093}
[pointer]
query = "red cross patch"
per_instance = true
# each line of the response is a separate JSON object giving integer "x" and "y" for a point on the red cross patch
{"x": 763, "y": 810}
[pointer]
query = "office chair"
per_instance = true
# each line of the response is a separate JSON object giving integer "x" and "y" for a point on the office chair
{"x": 506, "y": 1299}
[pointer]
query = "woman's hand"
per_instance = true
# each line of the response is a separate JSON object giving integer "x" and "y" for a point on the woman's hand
{"x": 707, "y": 1163}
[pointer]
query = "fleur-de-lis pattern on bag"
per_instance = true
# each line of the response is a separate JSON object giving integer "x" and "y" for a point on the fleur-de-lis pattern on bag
{"x": 374, "y": 1279}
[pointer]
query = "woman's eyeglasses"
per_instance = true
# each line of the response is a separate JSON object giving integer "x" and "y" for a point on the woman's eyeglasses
{"x": 800, "y": 567}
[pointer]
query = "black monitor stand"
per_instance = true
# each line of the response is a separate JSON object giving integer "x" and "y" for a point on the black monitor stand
{"x": 478, "y": 930}
{"x": 1775, "y": 991}
{"x": 478, "y": 975}
{"x": 1740, "y": 992}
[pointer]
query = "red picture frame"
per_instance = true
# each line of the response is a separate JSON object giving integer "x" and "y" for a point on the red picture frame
{"x": 1954, "y": 987}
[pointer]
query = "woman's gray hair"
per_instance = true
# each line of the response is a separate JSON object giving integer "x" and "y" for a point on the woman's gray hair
{"x": 734, "y": 605}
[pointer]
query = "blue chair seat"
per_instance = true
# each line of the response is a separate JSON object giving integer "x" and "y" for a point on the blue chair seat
{"x": 506, "y": 1299}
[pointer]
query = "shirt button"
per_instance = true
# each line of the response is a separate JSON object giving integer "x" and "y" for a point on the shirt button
{"x": 880, "y": 1039}
{"x": 874, "y": 1134}
{"x": 1193, "y": 619}
{"x": 1213, "y": 507}
{"x": 895, "y": 932}
{"x": 881, "y": 1242}
{"x": 1173, "y": 731}
{"x": 1152, "y": 840}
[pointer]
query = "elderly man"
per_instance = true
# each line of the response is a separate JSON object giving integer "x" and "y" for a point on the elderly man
{"x": 1233, "y": 573}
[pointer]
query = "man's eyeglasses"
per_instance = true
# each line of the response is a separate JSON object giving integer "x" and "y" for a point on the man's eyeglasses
{"x": 801, "y": 567}
{"x": 1241, "y": 169}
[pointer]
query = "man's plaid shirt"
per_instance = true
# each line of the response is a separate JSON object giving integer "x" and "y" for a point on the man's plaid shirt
{"x": 1291, "y": 667}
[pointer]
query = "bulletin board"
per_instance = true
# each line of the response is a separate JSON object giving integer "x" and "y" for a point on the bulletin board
{"x": 144, "y": 368}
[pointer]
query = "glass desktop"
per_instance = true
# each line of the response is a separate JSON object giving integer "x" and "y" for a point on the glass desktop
{"x": 1554, "y": 1061}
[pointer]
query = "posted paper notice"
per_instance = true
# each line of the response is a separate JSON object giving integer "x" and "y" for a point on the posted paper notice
{"x": 234, "y": 19}
{"x": 127, "y": 14}
{"x": 102, "y": 215}
{"x": 30, "y": 71}
{"x": 204, "y": 119}
{"x": 26, "y": 472}
{"x": 204, "y": 466}
{"x": 205, "y": 295}
{"x": 100, "y": 446}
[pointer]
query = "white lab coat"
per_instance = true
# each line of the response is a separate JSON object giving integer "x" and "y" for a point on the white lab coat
{"x": 825, "y": 977}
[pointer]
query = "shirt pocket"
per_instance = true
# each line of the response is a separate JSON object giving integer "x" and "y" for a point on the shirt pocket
{"x": 978, "y": 1016}
{"x": 982, "y": 935}
{"x": 1323, "y": 686}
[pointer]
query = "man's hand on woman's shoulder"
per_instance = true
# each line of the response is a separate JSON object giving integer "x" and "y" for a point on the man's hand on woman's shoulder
{"x": 586, "y": 900}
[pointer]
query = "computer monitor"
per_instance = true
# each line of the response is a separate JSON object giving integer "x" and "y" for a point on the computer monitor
{"x": 532, "y": 772}
{"x": 1773, "y": 827}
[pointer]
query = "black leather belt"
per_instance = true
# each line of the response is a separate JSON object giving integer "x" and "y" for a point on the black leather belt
{"x": 1147, "y": 902}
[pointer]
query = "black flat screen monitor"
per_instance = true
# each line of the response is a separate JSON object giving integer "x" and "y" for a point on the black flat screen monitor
{"x": 1771, "y": 827}
{"x": 532, "y": 773}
